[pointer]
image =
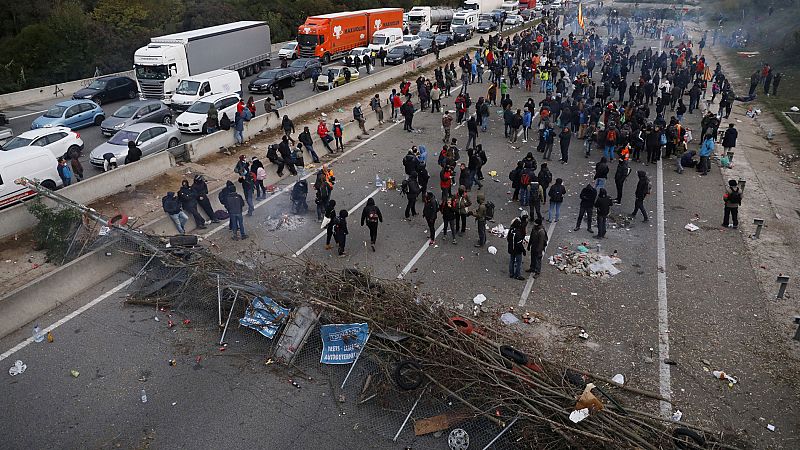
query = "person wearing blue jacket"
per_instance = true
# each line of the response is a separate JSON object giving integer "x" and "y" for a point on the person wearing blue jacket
{"x": 527, "y": 119}
{"x": 706, "y": 150}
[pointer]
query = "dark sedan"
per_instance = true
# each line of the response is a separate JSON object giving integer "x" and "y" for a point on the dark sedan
{"x": 426, "y": 34}
{"x": 444, "y": 40}
{"x": 399, "y": 55}
{"x": 527, "y": 14}
{"x": 461, "y": 33}
{"x": 264, "y": 81}
{"x": 304, "y": 67}
{"x": 108, "y": 89}
{"x": 424, "y": 47}
{"x": 487, "y": 26}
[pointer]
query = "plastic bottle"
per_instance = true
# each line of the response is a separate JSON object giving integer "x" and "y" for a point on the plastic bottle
{"x": 144, "y": 396}
{"x": 37, "y": 334}
{"x": 378, "y": 181}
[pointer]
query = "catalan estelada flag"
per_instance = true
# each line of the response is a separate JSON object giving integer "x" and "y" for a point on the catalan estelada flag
{"x": 580, "y": 16}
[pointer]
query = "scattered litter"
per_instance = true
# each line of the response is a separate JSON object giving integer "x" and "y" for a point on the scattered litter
{"x": 770, "y": 427}
{"x": 588, "y": 400}
{"x": 670, "y": 362}
{"x": 156, "y": 318}
{"x": 724, "y": 376}
{"x": 172, "y": 362}
{"x": 586, "y": 264}
{"x": 794, "y": 109}
{"x": 479, "y": 299}
{"x": 508, "y": 318}
{"x": 18, "y": 368}
{"x": 499, "y": 230}
{"x": 677, "y": 415}
{"x": 50, "y": 337}
{"x": 74, "y": 373}
{"x": 341, "y": 398}
{"x": 583, "y": 335}
{"x": 574, "y": 294}
{"x": 144, "y": 396}
{"x": 618, "y": 378}
{"x": 492, "y": 250}
{"x": 577, "y": 416}
{"x": 583, "y": 249}
{"x": 691, "y": 227}
{"x": 174, "y": 403}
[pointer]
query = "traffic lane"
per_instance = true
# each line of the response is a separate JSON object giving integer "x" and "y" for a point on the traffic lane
{"x": 113, "y": 345}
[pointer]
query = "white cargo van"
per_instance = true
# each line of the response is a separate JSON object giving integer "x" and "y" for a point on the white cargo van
{"x": 32, "y": 162}
{"x": 388, "y": 38}
{"x": 193, "y": 88}
{"x": 466, "y": 17}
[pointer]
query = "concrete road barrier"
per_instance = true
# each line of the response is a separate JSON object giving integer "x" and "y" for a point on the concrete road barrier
{"x": 54, "y": 91}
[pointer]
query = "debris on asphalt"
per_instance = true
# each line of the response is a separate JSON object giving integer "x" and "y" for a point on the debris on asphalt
{"x": 508, "y": 318}
{"x": 724, "y": 376}
{"x": 770, "y": 427}
{"x": 594, "y": 265}
{"x": 492, "y": 250}
{"x": 74, "y": 373}
{"x": 479, "y": 299}
{"x": 677, "y": 415}
{"x": 583, "y": 334}
{"x": 18, "y": 368}
{"x": 50, "y": 337}
{"x": 691, "y": 227}
{"x": 578, "y": 415}
{"x": 618, "y": 378}
{"x": 172, "y": 363}
{"x": 499, "y": 230}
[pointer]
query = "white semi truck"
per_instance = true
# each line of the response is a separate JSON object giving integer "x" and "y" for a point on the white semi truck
{"x": 482, "y": 6}
{"x": 243, "y": 46}
{"x": 426, "y": 18}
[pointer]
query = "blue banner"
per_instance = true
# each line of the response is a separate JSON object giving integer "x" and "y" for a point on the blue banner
{"x": 264, "y": 316}
{"x": 341, "y": 343}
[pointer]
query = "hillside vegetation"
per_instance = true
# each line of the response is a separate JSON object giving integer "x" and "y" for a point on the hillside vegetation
{"x": 44, "y": 42}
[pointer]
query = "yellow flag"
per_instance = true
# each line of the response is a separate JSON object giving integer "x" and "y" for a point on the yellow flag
{"x": 580, "y": 16}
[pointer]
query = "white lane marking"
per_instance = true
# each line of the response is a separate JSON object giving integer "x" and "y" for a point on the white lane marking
{"x": 308, "y": 175}
{"x": 523, "y": 299}
{"x": 26, "y": 115}
{"x": 68, "y": 317}
{"x": 664, "y": 375}
{"x": 419, "y": 254}
{"x": 322, "y": 233}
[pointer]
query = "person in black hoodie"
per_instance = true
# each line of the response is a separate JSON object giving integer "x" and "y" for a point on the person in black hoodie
{"x": 286, "y": 157}
{"x": 188, "y": 201}
{"x": 412, "y": 194}
{"x": 430, "y": 212}
{"x": 340, "y": 231}
{"x": 642, "y": 190}
{"x": 371, "y": 215}
{"x": 200, "y": 189}
{"x": 134, "y": 153}
{"x": 308, "y": 143}
{"x": 620, "y": 175}
{"x": 588, "y": 196}
{"x": 601, "y": 173}
{"x": 410, "y": 163}
{"x": 330, "y": 213}
{"x": 514, "y": 176}
{"x": 603, "y": 205}
{"x": 172, "y": 206}
{"x": 516, "y": 248}
{"x": 229, "y": 188}
{"x": 545, "y": 178}
{"x": 564, "y": 137}
{"x": 235, "y": 205}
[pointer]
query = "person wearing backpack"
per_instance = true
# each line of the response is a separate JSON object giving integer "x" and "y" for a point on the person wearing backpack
{"x": 535, "y": 198}
{"x": 642, "y": 191}
{"x": 549, "y": 136}
{"x": 732, "y": 199}
{"x": 429, "y": 212}
{"x": 340, "y": 231}
{"x": 611, "y": 143}
{"x": 412, "y": 192}
{"x": 556, "y": 194}
{"x": 601, "y": 173}
{"x": 371, "y": 216}
{"x": 525, "y": 176}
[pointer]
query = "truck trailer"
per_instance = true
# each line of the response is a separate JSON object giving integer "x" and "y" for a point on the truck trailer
{"x": 482, "y": 6}
{"x": 243, "y": 46}
{"x": 426, "y": 18}
{"x": 331, "y": 36}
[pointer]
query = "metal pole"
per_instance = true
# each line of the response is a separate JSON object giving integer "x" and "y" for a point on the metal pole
{"x": 501, "y": 433}
{"x": 408, "y": 416}
{"x": 219, "y": 302}
{"x": 222, "y": 339}
{"x": 353, "y": 366}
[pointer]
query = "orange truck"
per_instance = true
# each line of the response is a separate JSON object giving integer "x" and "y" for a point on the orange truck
{"x": 331, "y": 36}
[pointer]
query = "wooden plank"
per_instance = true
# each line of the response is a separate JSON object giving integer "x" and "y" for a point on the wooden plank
{"x": 441, "y": 422}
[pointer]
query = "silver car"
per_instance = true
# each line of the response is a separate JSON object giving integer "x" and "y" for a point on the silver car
{"x": 149, "y": 137}
{"x": 136, "y": 112}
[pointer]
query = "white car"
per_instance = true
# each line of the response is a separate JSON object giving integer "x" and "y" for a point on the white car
{"x": 194, "y": 119}
{"x": 513, "y": 20}
{"x": 556, "y": 5}
{"x": 59, "y": 140}
{"x": 538, "y": 7}
{"x": 412, "y": 40}
{"x": 288, "y": 51}
{"x": 358, "y": 52}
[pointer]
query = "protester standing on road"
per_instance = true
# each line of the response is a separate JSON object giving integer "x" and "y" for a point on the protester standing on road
{"x": 463, "y": 203}
{"x": 64, "y": 172}
{"x": 620, "y": 175}
{"x": 706, "y": 150}
{"x": 235, "y": 204}
{"x": 480, "y": 219}
{"x": 248, "y": 186}
{"x": 588, "y": 196}
{"x": 188, "y": 201}
{"x": 340, "y": 231}
{"x": 238, "y": 128}
{"x": 536, "y": 245}
{"x": 556, "y": 196}
{"x": 172, "y": 206}
{"x": 412, "y": 191}
{"x": 732, "y": 199}
{"x": 407, "y": 110}
{"x": 729, "y": 139}
{"x": 447, "y": 123}
{"x": 516, "y": 248}
{"x": 603, "y": 205}
{"x": 330, "y": 214}
{"x": 449, "y": 209}
{"x": 371, "y": 216}
{"x": 642, "y": 191}
{"x": 358, "y": 116}
{"x": 430, "y": 212}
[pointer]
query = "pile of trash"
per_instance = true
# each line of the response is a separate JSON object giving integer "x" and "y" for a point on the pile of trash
{"x": 499, "y": 230}
{"x": 585, "y": 263}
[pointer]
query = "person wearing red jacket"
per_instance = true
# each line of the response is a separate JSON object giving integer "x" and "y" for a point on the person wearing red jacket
{"x": 324, "y": 135}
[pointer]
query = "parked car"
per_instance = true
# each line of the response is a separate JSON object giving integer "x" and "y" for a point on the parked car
{"x": 338, "y": 76}
{"x": 149, "y": 137}
{"x": 356, "y": 53}
{"x": 426, "y": 34}
{"x": 461, "y": 33}
{"x": 59, "y": 140}
{"x": 444, "y": 40}
{"x": 487, "y": 26}
{"x": 136, "y": 112}
{"x": 557, "y": 5}
{"x": 425, "y": 46}
{"x": 497, "y": 15}
{"x": 194, "y": 119}
{"x": 513, "y": 20}
{"x": 527, "y": 14}
{"x": 400, "y": 55}
{"x": 35, "y": 163}
{"x": 73, "y": 114}
{"x": 108, "y": 89}
{"x": 538, "y": 7}
{"x": 304, "y": 67}
{"x": 288, "y": 51}
{"x": 264, "y": 81}
{"x": 411, "y": 40}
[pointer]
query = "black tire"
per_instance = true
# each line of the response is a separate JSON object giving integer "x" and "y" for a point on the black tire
{"x": 49, "y": 184}
{"x": 99, "y": 119}
{"x": 292, "y": 82}
{"x": 326, "y": 59}
{"x": 132, "y": 94}
{"x": 335, "y": 84}
{"x": 172, "y": 142}
{"x": 303, "y": 76}
{"x": 686, "y": 439}
{"x": 513, "y": 354}
{"x": 74, "y": 149}
{"x": 167, "y": 120}
{"x": 98, "y": 101}
{"x": 402, "y": 372}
